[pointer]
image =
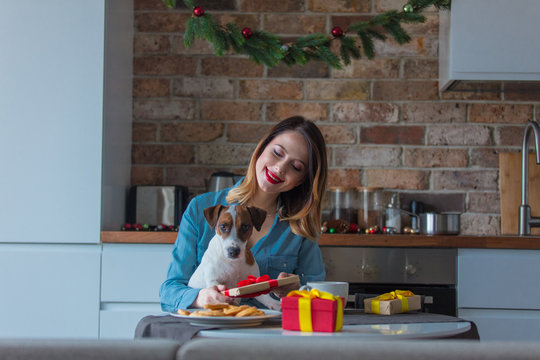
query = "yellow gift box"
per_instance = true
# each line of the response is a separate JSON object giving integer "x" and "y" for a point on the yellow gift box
{"x": 394, "y": 302}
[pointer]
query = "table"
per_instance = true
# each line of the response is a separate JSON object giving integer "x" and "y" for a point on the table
{"x": 433, "y": 330}
{"x": 414, "y": 325}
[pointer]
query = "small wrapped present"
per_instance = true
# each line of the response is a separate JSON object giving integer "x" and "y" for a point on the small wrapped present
{"x": 394, "y": 302}
{"x": 252, "y": 286}
{"x": 310, "y": 311}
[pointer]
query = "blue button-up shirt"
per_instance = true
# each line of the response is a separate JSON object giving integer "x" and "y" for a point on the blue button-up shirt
{"x": 278, "y": 251}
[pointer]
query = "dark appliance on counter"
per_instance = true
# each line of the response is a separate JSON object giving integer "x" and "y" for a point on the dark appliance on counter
{"x": 157, "y": 205}
{"x": 430, "y": 273}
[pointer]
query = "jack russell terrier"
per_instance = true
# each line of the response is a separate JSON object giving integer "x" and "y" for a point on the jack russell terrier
{"x": 228, "y": 258}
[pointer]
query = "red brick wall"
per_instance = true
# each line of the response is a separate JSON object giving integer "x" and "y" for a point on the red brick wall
{"x": 384, "y": 119}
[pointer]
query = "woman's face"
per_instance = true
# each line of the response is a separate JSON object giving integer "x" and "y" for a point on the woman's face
{"x": 283, "y": 164}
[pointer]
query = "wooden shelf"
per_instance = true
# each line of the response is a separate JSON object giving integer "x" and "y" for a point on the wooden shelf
{"x": 379, "y": 240}
{"x": 138, "y": 237}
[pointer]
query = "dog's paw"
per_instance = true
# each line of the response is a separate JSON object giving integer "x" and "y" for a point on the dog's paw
{"x": 236, "y": 301}
{"x": 269, "y": 302}
{"x": 275, "y": 306}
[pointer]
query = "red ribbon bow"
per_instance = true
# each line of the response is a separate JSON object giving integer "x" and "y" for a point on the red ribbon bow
{"x": 252, "y": 280}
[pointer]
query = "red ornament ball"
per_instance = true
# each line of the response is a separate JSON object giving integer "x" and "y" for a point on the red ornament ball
{"x": 198, "y": 11}
{"x": 247, "y": 33}
{"x": 337, "y": 32}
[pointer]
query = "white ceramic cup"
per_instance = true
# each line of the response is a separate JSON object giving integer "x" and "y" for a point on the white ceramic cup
{"x": 336, "y": 288}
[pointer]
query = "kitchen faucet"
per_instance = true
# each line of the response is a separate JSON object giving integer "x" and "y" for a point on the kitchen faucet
{"x": 526, "y": 221}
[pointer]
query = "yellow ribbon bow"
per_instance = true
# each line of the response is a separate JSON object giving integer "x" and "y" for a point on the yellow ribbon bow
{"x": 304, "y": 307}
{"x": 398, "y": 294}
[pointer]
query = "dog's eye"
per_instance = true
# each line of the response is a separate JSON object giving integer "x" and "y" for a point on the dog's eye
{"x": 244, "y": 228}
{"x": 224, "y": 228}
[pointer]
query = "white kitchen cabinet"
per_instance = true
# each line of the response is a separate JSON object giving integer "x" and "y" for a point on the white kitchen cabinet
{"x": 499, "y": 290}
{"x": 65, "y": 142}
{"x": 65, "y": 105}
{"x": 118, "y": 321}
{"x": 495, "y": 52}
{"x": 130, "y": 279}
{"x": 504, "y": 325}
{"x": 49, "y": 291}
{"x": 134, "y": 272}
{"x": 51, "y": 109}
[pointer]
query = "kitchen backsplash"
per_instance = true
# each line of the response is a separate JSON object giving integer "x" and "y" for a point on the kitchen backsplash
{"x": 384, "y": 120}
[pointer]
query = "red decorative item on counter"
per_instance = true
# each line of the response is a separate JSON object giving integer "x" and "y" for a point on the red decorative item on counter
{"x": 147, "y": 227}
{"x": 198, "y": 11}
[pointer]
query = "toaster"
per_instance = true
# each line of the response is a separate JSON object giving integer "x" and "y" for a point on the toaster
{"x": 156, "y": 205}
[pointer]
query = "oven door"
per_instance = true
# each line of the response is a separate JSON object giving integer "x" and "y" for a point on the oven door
{"x": 428, "y": 272}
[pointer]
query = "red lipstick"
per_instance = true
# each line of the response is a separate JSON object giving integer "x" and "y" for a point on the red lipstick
{"x": 272, "y": 178}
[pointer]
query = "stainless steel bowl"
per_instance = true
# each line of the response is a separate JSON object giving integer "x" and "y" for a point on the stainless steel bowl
{"x": 439, "y": 224}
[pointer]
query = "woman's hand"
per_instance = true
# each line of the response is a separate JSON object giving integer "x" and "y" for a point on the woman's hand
{"x": 212, "y": 295}
{"x": 284, "y": 290}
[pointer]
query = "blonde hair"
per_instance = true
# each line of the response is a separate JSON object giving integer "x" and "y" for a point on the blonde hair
{"x": 301, "y": 206}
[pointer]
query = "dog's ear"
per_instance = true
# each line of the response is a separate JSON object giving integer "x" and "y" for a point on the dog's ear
{"x": 257, "y": 216}
{"x": 211, "y": 214}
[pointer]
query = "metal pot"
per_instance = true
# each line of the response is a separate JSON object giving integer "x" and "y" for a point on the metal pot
{"x": 439, "y": 224}
{"x": 220, "y": 180}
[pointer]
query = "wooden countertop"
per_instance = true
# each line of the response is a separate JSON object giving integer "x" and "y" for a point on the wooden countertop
{"x": 378, "y": 240}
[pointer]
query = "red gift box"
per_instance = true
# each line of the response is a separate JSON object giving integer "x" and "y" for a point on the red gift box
{"x": 324, "y": 312}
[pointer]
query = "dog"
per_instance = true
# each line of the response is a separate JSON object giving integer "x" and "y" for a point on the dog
{"x": 228, "y": 258}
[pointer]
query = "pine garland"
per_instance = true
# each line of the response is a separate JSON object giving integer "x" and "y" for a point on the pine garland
{"x": 267, "y": 49}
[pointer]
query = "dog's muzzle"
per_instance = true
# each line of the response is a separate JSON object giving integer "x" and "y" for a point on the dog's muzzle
{"x": 233, "y": 252}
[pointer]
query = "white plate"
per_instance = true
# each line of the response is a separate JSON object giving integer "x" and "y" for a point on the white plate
{"x": 229, "y": 321}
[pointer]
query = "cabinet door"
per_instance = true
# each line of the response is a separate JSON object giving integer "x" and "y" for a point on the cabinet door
{"x": 51, "y": 111}
{"x": 49, "y": 291}
{"x": 131, "y": 276}
{"x": 504, "y": 325}
{"x": 499, "y": 279}
{"x": 118, "y": 321}
{"x": 133, "y": 273}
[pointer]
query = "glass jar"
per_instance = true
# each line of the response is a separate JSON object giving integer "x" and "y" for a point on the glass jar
{"x": 341, "y": 201}
{"x": 370, "y": 209}
{"x": 393, "y": 215}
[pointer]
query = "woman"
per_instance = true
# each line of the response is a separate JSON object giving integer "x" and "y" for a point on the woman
{"x": 287, "y": 178}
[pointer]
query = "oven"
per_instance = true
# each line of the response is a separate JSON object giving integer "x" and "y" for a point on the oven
{"x": 428, "y": 272}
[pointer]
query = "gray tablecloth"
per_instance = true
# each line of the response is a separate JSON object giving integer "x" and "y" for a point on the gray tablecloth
{"x": 181, "y": 330}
